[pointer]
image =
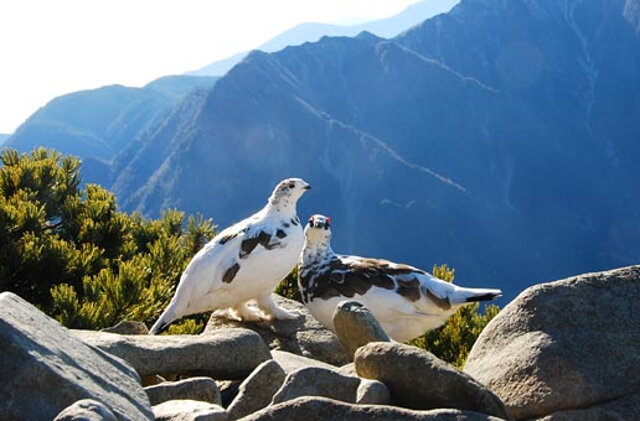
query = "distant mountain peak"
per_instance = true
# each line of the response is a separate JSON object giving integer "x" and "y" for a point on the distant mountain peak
{"x": 313, "y": 31}
{"x": 368, "y": 36}
{"x": 98, "y": 124}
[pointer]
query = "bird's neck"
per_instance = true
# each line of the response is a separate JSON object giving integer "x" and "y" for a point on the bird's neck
{"x": 283, "y": 206}
{"x": 316, "y": 251}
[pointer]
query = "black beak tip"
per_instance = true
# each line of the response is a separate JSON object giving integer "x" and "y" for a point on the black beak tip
{"x": 307, "y": 187}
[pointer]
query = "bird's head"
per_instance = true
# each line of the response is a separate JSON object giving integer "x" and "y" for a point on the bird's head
{"x": 318, "y": 228}
{"x": 317, "y": 243}
{"x": 288, "y": 191}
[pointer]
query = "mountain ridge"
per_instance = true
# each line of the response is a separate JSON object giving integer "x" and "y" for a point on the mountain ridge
{"x": 487, "y": 159}
{"x": 313, "y": 31}
{"x": 98, "y": 124}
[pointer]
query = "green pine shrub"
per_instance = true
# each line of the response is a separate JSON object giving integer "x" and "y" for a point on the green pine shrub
{"x": 73, "y": 254}
{"x": 288, "y": 287}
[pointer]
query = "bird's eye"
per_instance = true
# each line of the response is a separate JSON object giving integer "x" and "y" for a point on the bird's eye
{"x": 311, "y": 221}
{"x": 291, "y": 185}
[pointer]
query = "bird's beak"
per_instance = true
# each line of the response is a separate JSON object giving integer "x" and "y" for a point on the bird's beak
{"x": 307, "y": 187}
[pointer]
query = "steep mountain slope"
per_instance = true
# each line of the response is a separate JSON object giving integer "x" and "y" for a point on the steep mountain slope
{"x": 500, "y": 138}
{"x": 177, "y": 87}
{"x": 312, "y": 31}
{"x": 3, "y": 138}
{"x": 97, "y": 124}
{"x": 576, "y": 66}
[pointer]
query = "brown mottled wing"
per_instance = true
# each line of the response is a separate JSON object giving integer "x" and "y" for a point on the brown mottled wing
{"x": 251, "y": 242}
{"x": 225, "y": 238}
{"x": 230, "y": 273}
{"x": 350, "y": 276}
{"x": 443, "y": 303}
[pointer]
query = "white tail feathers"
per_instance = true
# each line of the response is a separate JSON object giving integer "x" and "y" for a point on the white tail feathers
{"x": 163, "y": 321}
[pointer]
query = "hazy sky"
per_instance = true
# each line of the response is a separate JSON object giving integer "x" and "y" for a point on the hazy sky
{"x": 52, "y": 47}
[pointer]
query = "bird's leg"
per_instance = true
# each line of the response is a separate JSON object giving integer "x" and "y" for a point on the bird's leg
{"x": 271, "y": 310}
{"x": 227, "y": 313}
{"x": 247, "y": 313}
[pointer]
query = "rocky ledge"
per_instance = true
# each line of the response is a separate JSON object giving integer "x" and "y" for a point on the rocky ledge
{"x": 563, "y": 350}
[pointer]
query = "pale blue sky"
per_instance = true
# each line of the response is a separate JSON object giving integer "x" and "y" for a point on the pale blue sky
{"x": 52, "y": 47}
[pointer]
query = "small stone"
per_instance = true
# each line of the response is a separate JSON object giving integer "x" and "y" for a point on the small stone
{"x": 189, "y": 410}
{"x": 257, "y": 390}
{"x": 223, "y": 354}
{"x": 86, "y": 410}
{"x": 356, "y": 326}
{"x": 372, "y": 392}
{"x": 128, "y": 327}
{"x": 194, "y": 388}
{"x": 417, "y": 379}
{"x": 316, "y": 381}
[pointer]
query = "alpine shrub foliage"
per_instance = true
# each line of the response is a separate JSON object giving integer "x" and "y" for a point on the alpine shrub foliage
{"x": 69, "y": 251}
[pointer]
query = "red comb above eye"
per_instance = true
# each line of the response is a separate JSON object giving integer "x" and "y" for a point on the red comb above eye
{"x": 328, "y": 220}
{"x": 311, "y": 219}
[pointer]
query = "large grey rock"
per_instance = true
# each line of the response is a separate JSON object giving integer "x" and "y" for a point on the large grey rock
{"x": 257, "y": 390}
{"x": 189, "y": 410}
{"x": 356, "y": 326}
{"x": 419, "y": 380}
{"x": 563, "y": 345}
{"x": 44, "y": 369}
{"x": 128, "y": 327}
{"x": 316, "y": 408}
{"x": 86, "y": 410}
{"x": 223, "y": 354}
{"x": 194, "y": 388}
{"x": 303, "y": 336}
{"x": 292, "y": 362}
{"x": 622, "y": 409}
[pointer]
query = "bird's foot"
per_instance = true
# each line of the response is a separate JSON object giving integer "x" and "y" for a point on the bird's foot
{"x": 227, "y": 313}
{"x": 248, "y": 314}
{"x": 273, "y": 311}
{"x": 278, "y": 313}
{"x": 252, "y": 317}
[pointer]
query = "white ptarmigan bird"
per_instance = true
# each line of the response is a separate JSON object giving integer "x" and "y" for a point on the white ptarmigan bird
{"x": 243, "y": 263}
{"x": 405, "y": 300}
